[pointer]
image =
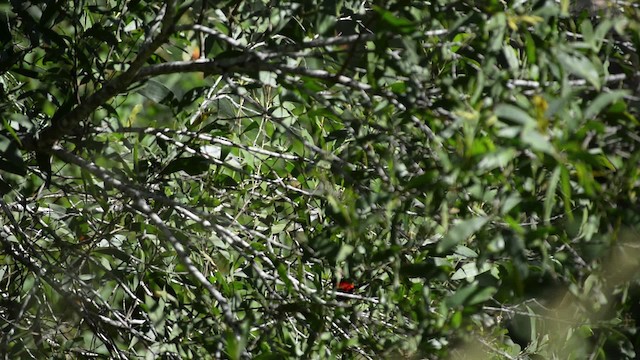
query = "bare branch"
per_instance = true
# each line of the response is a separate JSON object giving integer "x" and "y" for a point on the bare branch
{"x": 141, "y": 205}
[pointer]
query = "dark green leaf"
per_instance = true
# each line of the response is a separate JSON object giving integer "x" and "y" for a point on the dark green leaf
{"x": 194, "y": 165}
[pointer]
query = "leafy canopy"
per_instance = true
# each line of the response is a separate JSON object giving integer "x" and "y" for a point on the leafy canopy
{"x": 307, "y": 179}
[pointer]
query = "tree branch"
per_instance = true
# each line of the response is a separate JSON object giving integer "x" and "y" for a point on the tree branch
{"x": 140, "y": 204}
{"x": 67, "y": 123}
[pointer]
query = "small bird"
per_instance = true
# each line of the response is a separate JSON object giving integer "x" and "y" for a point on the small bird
{"x": 195, "y": 54}
{"x": 346, "y": 286}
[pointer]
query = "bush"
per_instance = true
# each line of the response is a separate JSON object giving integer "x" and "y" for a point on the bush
{"x": 319, "y": 179}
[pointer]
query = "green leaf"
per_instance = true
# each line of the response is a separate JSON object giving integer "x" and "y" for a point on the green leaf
{"x": 98, "y": 32}
{"x": 337, "y": 211}
{"x": 155, "y": 91}
{"x": 11, "y": 157}
{"x": 194, "y": 165}
{"x": 466, "y": 252}
{"x": 602, "y": 30}
{"x": 566, "y": 191}
{"x": 602, "y": 101}
{"x": 515, "y": 114}
{"x": 460, "y": 232}
{"x": 5, "y": 188}
{"x": 283, "y": 273}
{"x": 344, "y": 252}
{"x": 510, "y": 202}
{"x": 461, "y": 295}
{"x": 537, "y": 141}
{"x": 511, "y": 56}
{"x": 114, "y": 252}
{"x": 456, "y": 319}
{"x": 467, "y": 271}
{"x": 426, "y": 269}
{"x": 425, "y": 180}
{"x": 392, "y": 23}
{"x": 497, "y": 159}
{"x": 550, "y": 198}
{"x": 483, "y": 295}
{"x": 235, "y": 346}
{"x": 579, "y": 65}
{"x": 11, "y": 131}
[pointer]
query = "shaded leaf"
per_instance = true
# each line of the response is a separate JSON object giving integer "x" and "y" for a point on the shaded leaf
{"x": 461, "y": 232}
{"x": 602, "y": 101}
{"x": 194, "y": 165}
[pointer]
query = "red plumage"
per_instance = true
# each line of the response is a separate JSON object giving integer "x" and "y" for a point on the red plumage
{"x": 346, "y": 286}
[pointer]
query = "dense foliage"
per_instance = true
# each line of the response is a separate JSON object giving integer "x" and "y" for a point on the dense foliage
{"x": 193, "y": 179}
